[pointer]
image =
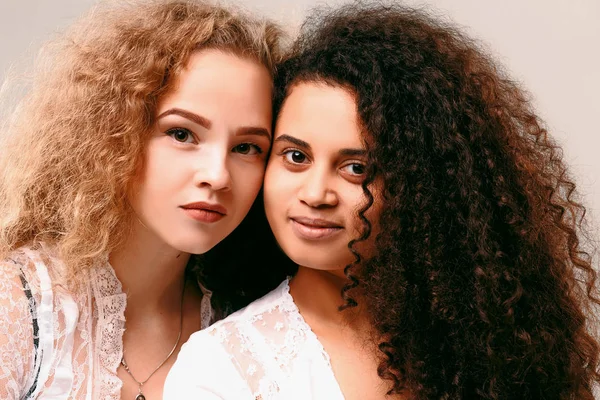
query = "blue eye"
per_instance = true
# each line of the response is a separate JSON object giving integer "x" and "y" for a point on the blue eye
{"x": 294, "y": 156}
{"x": 181, "y": 135}
{"x": 247, "y": 149}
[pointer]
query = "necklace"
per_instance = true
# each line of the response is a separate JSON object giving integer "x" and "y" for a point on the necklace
{"x": 140, "y": 395}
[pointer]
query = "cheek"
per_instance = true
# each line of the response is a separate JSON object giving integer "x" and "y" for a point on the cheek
{"x": 141, "y": 186}
{"x": 278, "y": 187}
{"x": 373, "y": 216}
{"x": 372, "y": 213}
{"x": 152, "y": 188}
{"x": 269, "y": 188}
{"x": 367, "y": 247}
{"x": 248, "y": 181}
{"x": 161, "y": 167}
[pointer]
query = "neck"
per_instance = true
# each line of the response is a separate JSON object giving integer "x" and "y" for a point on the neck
{"x": 150, "y": 271}
{"x": 317, "y": 294}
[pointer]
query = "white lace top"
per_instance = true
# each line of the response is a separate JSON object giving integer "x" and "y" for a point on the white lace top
{"x": 265, "y": 351}
{"x": 55, "y": 343}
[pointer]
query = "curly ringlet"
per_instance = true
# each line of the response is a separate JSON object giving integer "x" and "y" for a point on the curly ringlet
{"x": 74, "y": 143}
{"x": 479, "y": 286}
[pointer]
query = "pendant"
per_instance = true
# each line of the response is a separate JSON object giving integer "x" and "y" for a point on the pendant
{"x": 140, "y": 397}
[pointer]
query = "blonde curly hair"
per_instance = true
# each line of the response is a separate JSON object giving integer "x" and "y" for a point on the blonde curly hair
{"x": 74, "y": 143}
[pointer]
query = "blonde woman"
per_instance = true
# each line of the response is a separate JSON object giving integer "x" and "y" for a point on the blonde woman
{"x": 142, "y": 144}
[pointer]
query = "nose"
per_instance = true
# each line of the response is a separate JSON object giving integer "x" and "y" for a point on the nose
{"x": 213, "y": 170}
{"x": 317, "y": 190}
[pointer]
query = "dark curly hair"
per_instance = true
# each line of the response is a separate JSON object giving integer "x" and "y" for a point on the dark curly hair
{"x": 245, "y": 265}
{"x": 479, "y": 287}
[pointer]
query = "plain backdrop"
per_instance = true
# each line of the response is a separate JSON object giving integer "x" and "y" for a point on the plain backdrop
{"x": 551, "y": 46}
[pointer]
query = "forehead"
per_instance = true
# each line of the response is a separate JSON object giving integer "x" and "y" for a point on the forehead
{"x": 321, "y": 113}
{"x": 214, "y": 82}
{"x": 209, "y": 69}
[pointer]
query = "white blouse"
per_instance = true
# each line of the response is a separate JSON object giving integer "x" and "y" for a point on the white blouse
{"x": 262, "y": 352}
{"x": 56, "y": 343}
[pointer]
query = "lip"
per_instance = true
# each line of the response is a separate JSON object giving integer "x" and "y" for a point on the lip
{"x": 200, "y": 205}
{"x": 205, "y": 212}
{"x": 314, "y": 228}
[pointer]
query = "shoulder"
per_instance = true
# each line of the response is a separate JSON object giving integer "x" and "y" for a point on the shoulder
{"x": 18, "y": 259}
{"x": 267, "y": 304}
{"x": 19, "y": 278}
{"x": 19, "y": 300}
{"x": 203, "y": 369}
{"x": 220, "y": 361}
{"x": 36, "y": 266}
{"x": 42, "y": 316}
{"x": 238, "y": 321}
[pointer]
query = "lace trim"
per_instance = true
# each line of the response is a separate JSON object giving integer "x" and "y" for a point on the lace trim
{"x": 206, "y": 310}
{"x": 110, "y": 302}
{"x": 264, "y": 345}
{"x": 290, "y": 306}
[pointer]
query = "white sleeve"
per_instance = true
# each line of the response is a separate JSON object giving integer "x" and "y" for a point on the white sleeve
{"x": 204, "y": 370}
{"x": 17, "y": 352}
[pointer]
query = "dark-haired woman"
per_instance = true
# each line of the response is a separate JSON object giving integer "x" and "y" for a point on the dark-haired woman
{"x": 432, "y": 222}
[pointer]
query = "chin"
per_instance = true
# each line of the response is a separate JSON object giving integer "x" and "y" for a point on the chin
{"x": 197, "y": 247}
{"x": 322, "y": 262}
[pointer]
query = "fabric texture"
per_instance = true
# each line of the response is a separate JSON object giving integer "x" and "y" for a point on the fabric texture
{"x": 265, "y": 351}
{"x": 59, "y": 343}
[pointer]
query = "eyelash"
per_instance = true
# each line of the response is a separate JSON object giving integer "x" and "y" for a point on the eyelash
{"x": 286, "y": 152}
{"x": 258, "y": 149}
{"x": 359, "y": 164}
{"x": 171, "y": 132}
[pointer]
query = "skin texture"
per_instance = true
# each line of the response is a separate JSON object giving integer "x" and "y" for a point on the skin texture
{"x": 218, "y": 159}
{"x": 75, "y": 145}
{"x": 88, "y": 169}
{"x": 478, "y": 286}
{"x": 315, "y": 173}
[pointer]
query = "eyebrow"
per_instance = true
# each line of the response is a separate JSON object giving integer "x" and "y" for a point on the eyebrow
{"x": 353, "y": 152}
{"x": 204, "y": 122}
{"x": 305, "y": 145}
{"x": 291, "y": 139}
{"x": 251, "y": 130}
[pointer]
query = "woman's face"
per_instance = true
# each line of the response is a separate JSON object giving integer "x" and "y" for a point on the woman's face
{"x": 313, "y": 181}
{"x": 205, "y": 160}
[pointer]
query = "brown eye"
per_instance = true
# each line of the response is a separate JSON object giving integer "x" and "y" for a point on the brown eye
{"x": 181, "y": 135}
{"x": 295, "y": 156}
{"x": 247, "y": 149}
{"x": 355, "y": 169}
{"x": 358, "y": 169}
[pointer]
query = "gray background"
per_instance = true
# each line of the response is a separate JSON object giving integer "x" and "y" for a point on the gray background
{"x": 551, "y": 46}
